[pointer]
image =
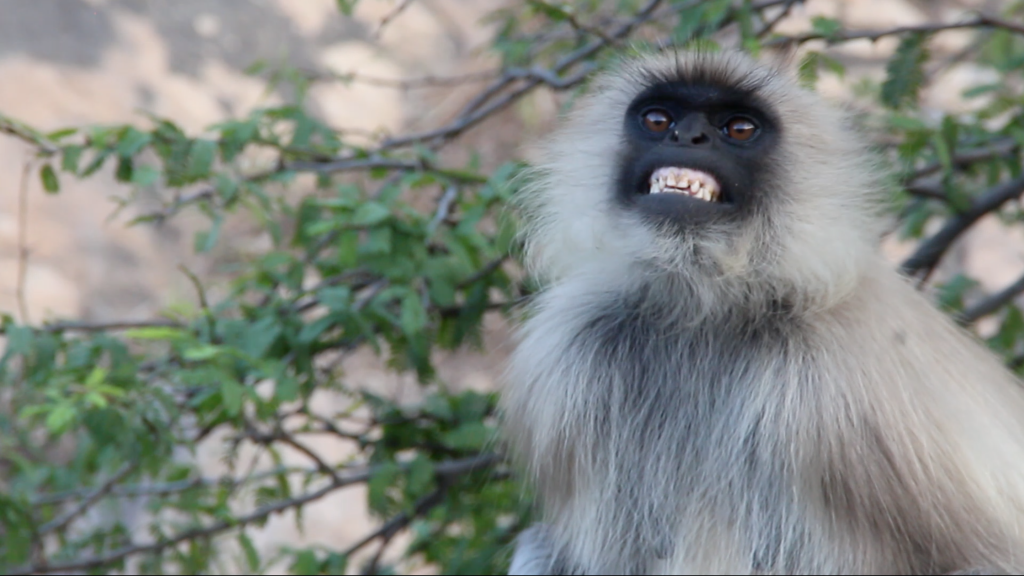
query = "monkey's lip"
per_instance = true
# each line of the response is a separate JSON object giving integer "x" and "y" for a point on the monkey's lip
{"x": 678, "y": 180}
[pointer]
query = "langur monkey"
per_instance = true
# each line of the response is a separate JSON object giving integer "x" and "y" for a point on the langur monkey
{"x": 722, "y": 374}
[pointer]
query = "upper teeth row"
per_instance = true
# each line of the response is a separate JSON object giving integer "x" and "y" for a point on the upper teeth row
{"x": 686, "y": 181}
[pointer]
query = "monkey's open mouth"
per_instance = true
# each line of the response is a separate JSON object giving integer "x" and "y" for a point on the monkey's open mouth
{"x": 693, "y": 183}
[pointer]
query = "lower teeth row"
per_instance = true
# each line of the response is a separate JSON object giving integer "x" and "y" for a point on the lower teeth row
{"x": 688, "y": 191}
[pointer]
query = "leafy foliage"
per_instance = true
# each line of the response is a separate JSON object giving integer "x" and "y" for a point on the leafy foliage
{"x": 905, "y": 73}
{"x": 101, "y": 423}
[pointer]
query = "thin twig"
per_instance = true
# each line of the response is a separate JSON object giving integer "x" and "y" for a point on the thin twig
{"x": 389, "y": 17}
{"x": 22, "y": 274}
{"x": 786, "y": 9}
{"x": 442, "y": 472}
{"x": 165, "y": 488}
{"x": 109, "y": 326}
{"x": 43, "y": 146}
{"x": 428, "y": 81}
{"x": 62, "y": 522}
{"x": 444, "y": 206}
{"x": 395, "y": 525}
{"x": 288, "y": 439}
{"x": 574, "y": 22}
{"x": 469, "y": 119}
{"x": 873, "y": 35}
{"x": 484, "y": 272}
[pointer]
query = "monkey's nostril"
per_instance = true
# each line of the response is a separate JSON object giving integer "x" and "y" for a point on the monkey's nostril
{"x": 701, "y": 138}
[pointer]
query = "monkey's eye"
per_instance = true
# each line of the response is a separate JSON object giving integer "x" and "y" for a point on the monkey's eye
{"x": 657, "y": 120}
{"x": 740, "y": 128}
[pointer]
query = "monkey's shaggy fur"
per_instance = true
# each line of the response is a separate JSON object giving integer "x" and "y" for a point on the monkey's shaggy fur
{"x": 764, "y": 398}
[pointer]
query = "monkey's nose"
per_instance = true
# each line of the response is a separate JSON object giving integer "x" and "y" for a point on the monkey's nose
{"x": 691, "y": 131}
{"x": 695, "y": 137}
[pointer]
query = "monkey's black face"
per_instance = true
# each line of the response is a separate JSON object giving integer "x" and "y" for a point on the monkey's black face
{"x": 695, "y": 153}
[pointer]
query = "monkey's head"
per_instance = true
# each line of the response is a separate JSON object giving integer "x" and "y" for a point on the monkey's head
{"x": 709, "y": 170}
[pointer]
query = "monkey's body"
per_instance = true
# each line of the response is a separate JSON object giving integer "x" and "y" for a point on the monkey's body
{"x": 799, "y": 456}
{"x": 771, "y": 399}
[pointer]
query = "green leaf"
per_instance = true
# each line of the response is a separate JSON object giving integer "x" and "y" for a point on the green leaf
{"x": 70, "y": 157}
{"x": 20, "y": 339}
{"x": 336, "y": 298}
{"x": 207, "y": 239}
{"x": 286, "y": 388}
{"x": 155, "y": 333}
{"x": 145, "y": 175}
{"x": 125, "y": 169}
{"x": 1010, "y": 331}
{"x": 951, "y": 294}
{"x": 556, "y": 13}
{"x": 232, "y": 393}
{"x": 439, "y": 407}
{"x": 235, "y": 136}
{"x": 61, "y": 417}
{"x": 201, "y": 353}
{"x": 260, "y": 336}
{"x": 227, "y": 188}
{"x": 827, "y": 27}
{"x": 96, "y": 163}
{"x": 62, "y": 133}
{"x": 378, "y": 241}
{"x": 310, "y": 332}
{"x": 49, "y": 178}
{"x": 132, "y": 141}
{"x": 252, "y": 557}
{"x": 421, "y": 475}
{"x": 380, "y": 481}
{"x": 97, "y": 376}
{"x": 905, "y": 72}
{"x": 413, "y": 316}
{"x": 336, "y": 563}
{"x": 200, "y": 158}
{"x": 305, "y": 562}
{"x": 370, "y": 214}
{"x": 346, "y": 6}
{"x": 468, "y": 436}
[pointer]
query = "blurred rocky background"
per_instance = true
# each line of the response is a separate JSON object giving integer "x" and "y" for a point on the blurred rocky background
{"x": 79, "y": 62}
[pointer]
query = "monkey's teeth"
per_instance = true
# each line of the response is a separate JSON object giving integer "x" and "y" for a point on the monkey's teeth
{"x": 687, "y": 181}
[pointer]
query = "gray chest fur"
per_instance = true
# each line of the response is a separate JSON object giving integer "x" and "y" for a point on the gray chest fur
{"x": 674, "y": 421}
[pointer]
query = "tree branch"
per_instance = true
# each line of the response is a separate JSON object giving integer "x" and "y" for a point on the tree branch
{"x": 62, "y": 522}
{"x": 930, "y": 251}
{"x": 998, "y": 148}
{"x": 991, "y": 304}
{"x": 981, "y": 21}
{"x": 443, "y": 470}
{"x": 473, "y": 115}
